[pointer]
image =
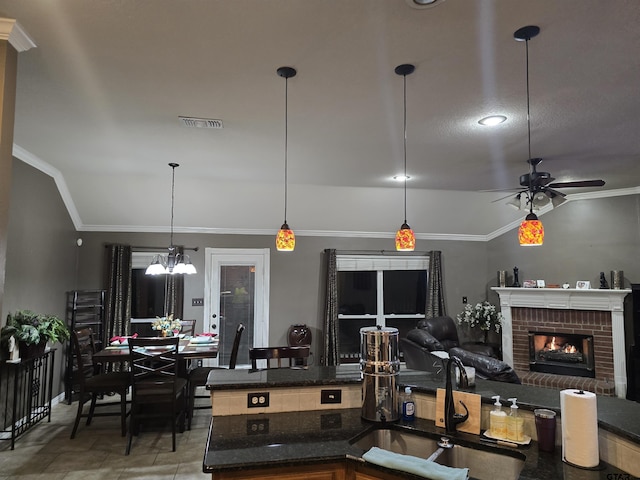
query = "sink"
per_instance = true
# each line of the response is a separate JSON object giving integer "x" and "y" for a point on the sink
{"x": 484, "y": 463}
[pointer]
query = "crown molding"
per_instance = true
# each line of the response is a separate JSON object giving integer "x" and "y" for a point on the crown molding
{"x": 12, "y": 31}
{"x": 39, "y": 164}
{"x": 31, "y": 159}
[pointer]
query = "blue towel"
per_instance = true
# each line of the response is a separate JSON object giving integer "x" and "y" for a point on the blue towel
{"x": 415, "y": 465}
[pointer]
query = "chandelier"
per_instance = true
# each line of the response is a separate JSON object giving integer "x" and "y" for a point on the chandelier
{"x": 174, "y": 262}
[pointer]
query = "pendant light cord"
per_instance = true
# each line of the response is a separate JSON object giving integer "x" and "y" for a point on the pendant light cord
{"x": 528, "y": 101}
{"x": 526, "y": 44}
{"x": 405, "y": 147}
{"x": 173, "y": 189}
{"x": 286, "y": 142}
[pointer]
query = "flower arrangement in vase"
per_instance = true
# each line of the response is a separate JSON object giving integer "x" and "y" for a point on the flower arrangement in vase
{"x": 482, "y": 315}
{"x": 167, "y": 326}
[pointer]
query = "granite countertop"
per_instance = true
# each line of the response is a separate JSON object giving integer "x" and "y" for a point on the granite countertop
{"x": 243, "y": 442}
{"x": 263, "y": 440}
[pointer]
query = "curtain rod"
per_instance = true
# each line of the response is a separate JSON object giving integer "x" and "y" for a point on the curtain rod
{"x": 195, "y": 249}
{"x": 381, "y": 252}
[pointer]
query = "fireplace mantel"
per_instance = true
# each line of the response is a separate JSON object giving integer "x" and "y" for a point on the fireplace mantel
{"x": 569, "y": 299}
{"x": 563, "y": 298}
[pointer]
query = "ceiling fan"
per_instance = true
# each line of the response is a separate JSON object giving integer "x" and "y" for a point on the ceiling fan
{"x": 539, "y": 187}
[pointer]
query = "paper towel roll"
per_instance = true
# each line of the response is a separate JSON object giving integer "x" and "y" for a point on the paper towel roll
{"x": 579, "y": 412}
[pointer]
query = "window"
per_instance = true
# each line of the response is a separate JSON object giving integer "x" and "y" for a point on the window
{"x": 390, "y": 291}
{"x": 148, "y": 292}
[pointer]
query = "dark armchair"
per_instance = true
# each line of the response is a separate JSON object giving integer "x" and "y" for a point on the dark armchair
{"x": 425, "y": 346}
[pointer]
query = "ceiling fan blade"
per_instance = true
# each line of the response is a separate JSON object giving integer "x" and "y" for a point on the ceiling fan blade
{"x": 555, "y": 192}
{"x": 520, "y": 192}
{"x": 579, "y": 183}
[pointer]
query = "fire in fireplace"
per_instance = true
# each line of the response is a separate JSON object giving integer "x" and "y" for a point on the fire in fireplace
{"x": 561, "y": 354}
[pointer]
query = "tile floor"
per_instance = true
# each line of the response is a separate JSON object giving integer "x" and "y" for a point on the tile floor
{"x": 97, "y": 452}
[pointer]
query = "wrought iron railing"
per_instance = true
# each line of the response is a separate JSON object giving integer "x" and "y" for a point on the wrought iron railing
{"x": 25, "y": 394}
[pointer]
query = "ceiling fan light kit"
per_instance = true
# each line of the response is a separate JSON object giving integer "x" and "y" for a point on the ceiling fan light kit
{"x": 174, "y": 262}
{"x": 285, "y": 238}
{"x": 405, "y": 238}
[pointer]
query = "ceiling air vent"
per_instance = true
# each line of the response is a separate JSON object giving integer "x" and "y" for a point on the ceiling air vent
{"x": 201, "y": 122}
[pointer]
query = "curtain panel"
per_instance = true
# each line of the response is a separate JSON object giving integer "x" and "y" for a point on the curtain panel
{"x": 330, "y": 327}
{"x": 118, "y": 290}
{"x": 435, "y": 287}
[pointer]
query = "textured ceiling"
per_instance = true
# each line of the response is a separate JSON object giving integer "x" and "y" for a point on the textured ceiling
{"x": 98, "y": 103}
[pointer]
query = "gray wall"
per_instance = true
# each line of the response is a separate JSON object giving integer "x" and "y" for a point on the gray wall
{"x": 297, "y": 284}
{"x": 41, "y": 250}
{"x": 582, "y": 239}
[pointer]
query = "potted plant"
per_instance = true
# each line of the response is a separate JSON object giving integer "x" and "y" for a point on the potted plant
{"x": 32, "y": 331}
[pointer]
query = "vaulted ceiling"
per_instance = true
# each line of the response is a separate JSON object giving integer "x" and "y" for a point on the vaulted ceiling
{"x": 100, "y": 96}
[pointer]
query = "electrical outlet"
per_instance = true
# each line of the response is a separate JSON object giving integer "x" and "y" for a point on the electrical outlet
{"x": 464, "y": 299}
{"x": 330, "y": 396}
{"x": 255, "y": 400}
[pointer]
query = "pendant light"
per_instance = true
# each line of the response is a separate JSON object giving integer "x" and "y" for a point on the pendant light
{"x": 531, "y": 231}
{"x": 173, "y": 262}
{"x": 405, "y": 238}
{"x": 286, "y": 239}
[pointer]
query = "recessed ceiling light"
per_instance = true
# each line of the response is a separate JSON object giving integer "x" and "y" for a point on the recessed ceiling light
{"x": 401, "y": 177}
{"x": 492, "y": 120}
{"x": 423, "y": 3}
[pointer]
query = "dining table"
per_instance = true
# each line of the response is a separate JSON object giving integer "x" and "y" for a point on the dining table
{"x": 188, "y": 349}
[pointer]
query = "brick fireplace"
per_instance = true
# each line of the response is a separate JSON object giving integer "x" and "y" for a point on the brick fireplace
{"x": 568, "y": 312}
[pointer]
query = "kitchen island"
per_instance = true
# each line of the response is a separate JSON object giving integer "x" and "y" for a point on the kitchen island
{"x": 250, "y": 445}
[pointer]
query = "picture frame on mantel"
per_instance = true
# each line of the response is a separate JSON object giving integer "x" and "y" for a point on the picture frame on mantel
{"x": 583, "y": 285}
{"x": 530, "y": 284}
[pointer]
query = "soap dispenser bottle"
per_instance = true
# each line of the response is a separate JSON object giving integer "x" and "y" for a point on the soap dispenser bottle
{"x": 408, "y": 405}
{"x": 515, "y": 423}
{"x": 497, "y": 420}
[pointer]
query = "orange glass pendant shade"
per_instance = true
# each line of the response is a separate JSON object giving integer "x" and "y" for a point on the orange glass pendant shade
{"x": 286, "y": 239}
{"x": 531, "y": 231}
{"x": 405, "y": 239}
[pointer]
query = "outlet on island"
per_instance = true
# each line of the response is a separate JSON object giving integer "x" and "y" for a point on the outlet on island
{"x": 260, "y": 399}
{"x": 330, "y": 396}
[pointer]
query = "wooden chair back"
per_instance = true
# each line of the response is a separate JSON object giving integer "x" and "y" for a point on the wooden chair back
{"x": 91, "y": 382}
{"x": 154, "y": 369}
{"x": 277, "y": 354}
{"x": 157, "y": 390}
{"x": 83, "y": 345}
{"x": 233, "y": 359}
{"x": 188, "y": 327}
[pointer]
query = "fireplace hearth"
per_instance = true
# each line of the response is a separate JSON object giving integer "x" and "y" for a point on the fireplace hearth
{"x": 562, "y": 354}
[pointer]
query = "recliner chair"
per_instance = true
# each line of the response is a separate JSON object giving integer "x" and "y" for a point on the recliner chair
{"x": 439, "y": 334}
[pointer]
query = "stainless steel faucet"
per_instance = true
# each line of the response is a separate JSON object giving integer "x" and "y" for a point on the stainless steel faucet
{"x": 451, "y": 418}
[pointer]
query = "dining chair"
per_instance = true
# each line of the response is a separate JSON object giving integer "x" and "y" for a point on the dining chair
{"x": 198, "y": 375}
{"x": 188, "y": 327}
{"x": 92, "y": 383}
{"x": 157, "y": 390}
{"x": 271, "y": 354}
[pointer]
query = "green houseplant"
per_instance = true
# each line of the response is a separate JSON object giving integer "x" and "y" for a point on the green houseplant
{"x": 33, "y": 331}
